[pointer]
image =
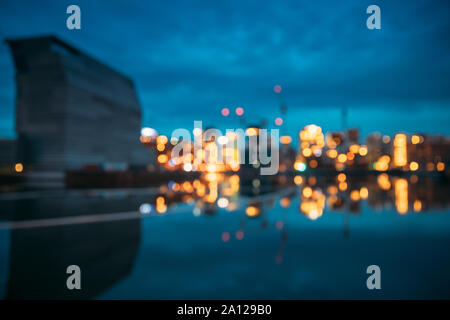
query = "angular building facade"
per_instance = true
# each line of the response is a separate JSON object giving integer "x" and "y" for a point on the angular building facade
{"x": 72, "y": 110}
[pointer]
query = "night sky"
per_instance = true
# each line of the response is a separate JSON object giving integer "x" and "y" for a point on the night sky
{"x": 189, "y": 59}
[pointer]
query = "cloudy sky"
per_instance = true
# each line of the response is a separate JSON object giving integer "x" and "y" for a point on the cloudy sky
{"x": 189, "y": 59}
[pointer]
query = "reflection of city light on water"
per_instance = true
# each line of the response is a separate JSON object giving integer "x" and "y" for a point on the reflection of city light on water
{"x": 313, "y": 203}
{"x": 401, "y": 195}
{"x": 225, "y": 236}
{"x": 285, "y": 202}
{"x": 197, "y": 211}
{"x": 383, "y": 181}
{"x": 312, "y": 199}
{"x": 307, "y": 192}
{"x": 252, "y": 211}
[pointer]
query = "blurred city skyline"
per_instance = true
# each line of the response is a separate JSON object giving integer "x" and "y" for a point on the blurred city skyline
{"x": 188, "y": 61}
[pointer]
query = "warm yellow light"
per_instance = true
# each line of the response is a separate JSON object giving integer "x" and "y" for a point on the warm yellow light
{"x": 342, "y": 158}
{"x": 145, "y": 139}
{"x": 161, "y": 205}
{"x": 307, "y": 152}
{"x": 363, "y": 151}
{"x": 415, "y": 139}
{"x": 440, "y": 166}
{"x": 307, "y": 192}
{"x": 162, "y": 158}
{"x": 211, "y": 176}
{"x": 187, "y": 186}
{"x": 313, "y": 207}
{"x": 413, "y": 166}
{"x": 417, "y": 205}
{"x": 298, "y": 180}
{"x": 161, "y": 208}
{"x": 354, "y": 148}
{"x": 162, "y": 140}
{"x": 285, "y": 202}
{"x": 160, "y": 147}
{"x": 342, "y": 186}
{"x": 285, "y": 139}
{"x": 400, "y": 152}
{"x": 354, "y": 195}
{"x": 401, "y": 195}
{"x": 350, "y": 156}
{"x": 18, "y": 167}
{"x": 341, "y": 177}
{"x": 332, "y": 153}
{"x": 252, "y": 211}
{"x": 383, "y": 181}
{"x": 251, "y": 132}
{"x": 364, "y": 193}
{"x": 176, "y": 187}
{"x": 382, "y": 163}
{"x": 332, "y": 190}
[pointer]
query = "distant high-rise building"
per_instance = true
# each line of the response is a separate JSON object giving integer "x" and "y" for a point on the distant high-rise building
{"x": 73, "y": 110}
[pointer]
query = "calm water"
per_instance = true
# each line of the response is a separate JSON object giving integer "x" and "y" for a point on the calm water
{"x": 225, "y": 239}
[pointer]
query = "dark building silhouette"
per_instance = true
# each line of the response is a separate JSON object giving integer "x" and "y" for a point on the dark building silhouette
{"x": 34, "y": 261}
{"x": 38, "y": 259}
{"x": 73, "y": 110}
{"x": 7, "y": 152}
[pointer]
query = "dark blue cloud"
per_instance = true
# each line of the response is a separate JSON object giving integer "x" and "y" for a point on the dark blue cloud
{"x": 191, "y": 58}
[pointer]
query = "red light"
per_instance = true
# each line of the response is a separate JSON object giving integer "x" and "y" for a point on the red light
{"x": 225, "y": 112}
{"x": 277, "y": 88}
{"x": 225, "y": 236}
{"x": 278, "y": 121}
{"x": 239, "y": 111}
{"x": 279, "y": 225}
{"x": 239, "y": 235}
